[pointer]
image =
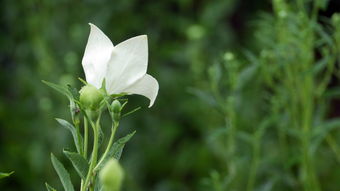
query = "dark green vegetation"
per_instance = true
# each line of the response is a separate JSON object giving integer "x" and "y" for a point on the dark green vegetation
{"x": 264, "y": 117}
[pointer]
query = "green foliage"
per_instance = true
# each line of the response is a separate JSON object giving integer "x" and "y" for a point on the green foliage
{"x": 49, "y": 188}
{"x": 115, "y": 151}
{"x": 78, "y": 162}
{"x": 78, "y": 139}
{"x": 4, "y": 175}
{"x": 274, "y": 105}
{"x": 62, "y": 173}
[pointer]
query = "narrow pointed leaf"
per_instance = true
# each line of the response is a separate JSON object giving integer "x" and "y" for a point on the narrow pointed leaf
{"x": 49, "y": 188}
{"x": 62, "y": 173}
{"x": 73, "y": 91}
{"x": 4, "y": 175}
{"x": 78, "y": 162}
{"x": 78, "y": 139}
{"x": 116, "y": 149}
{"x": 61, "y": 89}
{"x": 321, "y": 132}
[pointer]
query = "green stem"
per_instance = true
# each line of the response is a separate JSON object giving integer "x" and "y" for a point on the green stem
{"x": 113, "y": 132}
{"x": 255, "y": 162}
{"x": 231, "y": 136}
{"x": 94, "y": 154}
{"x": 86, "y": 132}
{"x": 81, "y": 184}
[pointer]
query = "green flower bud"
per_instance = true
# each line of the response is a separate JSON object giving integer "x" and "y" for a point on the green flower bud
{"x": 90, "y": 97}
{"x": 228, "y": 56}
{"x": 116, "y": 109}
{"x": 336, "y": 19}
{"x": 112, "y": 175}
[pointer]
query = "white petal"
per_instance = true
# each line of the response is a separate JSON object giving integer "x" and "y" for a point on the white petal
{"x": 147, "y": 86}
{"x": 128, "y": 64}
{"x": 97, "y": 54}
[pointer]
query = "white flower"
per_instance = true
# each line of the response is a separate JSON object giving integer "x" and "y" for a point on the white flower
{"x": 123, "y": 66}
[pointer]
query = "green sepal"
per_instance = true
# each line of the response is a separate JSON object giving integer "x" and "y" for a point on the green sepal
{"x": 78, "y": 139}
{"x": 79, "y": 163}
{"x": 131, "y": 112}
{"x": 82, "y": 81}
{"x": 116, "y": 149}
{"x": 62, "y": 173}
{"x": 49, "y": 188}
{"x": 4, "y": 175}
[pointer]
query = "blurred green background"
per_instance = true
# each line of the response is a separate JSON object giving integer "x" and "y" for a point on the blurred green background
{"x": 179, "y": 145}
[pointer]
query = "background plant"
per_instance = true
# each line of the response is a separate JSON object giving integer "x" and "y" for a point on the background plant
{"x": 279, "y": 139}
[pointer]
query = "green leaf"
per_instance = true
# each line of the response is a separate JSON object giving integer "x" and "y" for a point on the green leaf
{"x": 204, "y": 96}
{"x": 78, "y": 139}
{"x": 73, "y": 91}
{"x": 100, "y": 136}
{"x": 78, "y": 162}
{"x": 116, "y": 149}
{"x": 49, "y": 188}
{"x": 320, "y": 132}
{"x": 247, "y": 75}
{"x": 4, "y": 175}
{"x": 61, "y": 89}
{"x": 62, "y": 173}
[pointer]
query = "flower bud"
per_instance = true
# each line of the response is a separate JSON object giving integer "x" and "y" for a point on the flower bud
{"x": 112, "y": 175}
{"x": 336, "y": 19}
{"x": 116, "y": 109}
{"x": 90, "y": 97}
{"x": 228, "y": 56}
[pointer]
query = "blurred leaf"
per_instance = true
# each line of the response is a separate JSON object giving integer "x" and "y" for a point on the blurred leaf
{"x": 321, "y": 131}
{"x": 78, "y": 139}
{"x": 49, "y": 188}
{"x": 215, "y": 74}
{"x": 204, "y": 96}
{"x": 3, "y": 175}
{"x": 78, "y": 162}
{"x": 247, "y": 75}
{"x": 62, "y": 173}
{"x": 320, "y": 65}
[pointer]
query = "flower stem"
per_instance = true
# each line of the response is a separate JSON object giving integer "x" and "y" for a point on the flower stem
{"x": 113, "y": 132}
{"x": 94, "y": 154}
{"x": 86, "y": 132}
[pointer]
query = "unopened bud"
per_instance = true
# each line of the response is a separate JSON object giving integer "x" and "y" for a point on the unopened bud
{"x": 112, "y": 175}
{"x": 228, "y": 56}
{"x": 336, "y": 19}
{"x": 116, "y": 109}
{"x": 90, "y": 97}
